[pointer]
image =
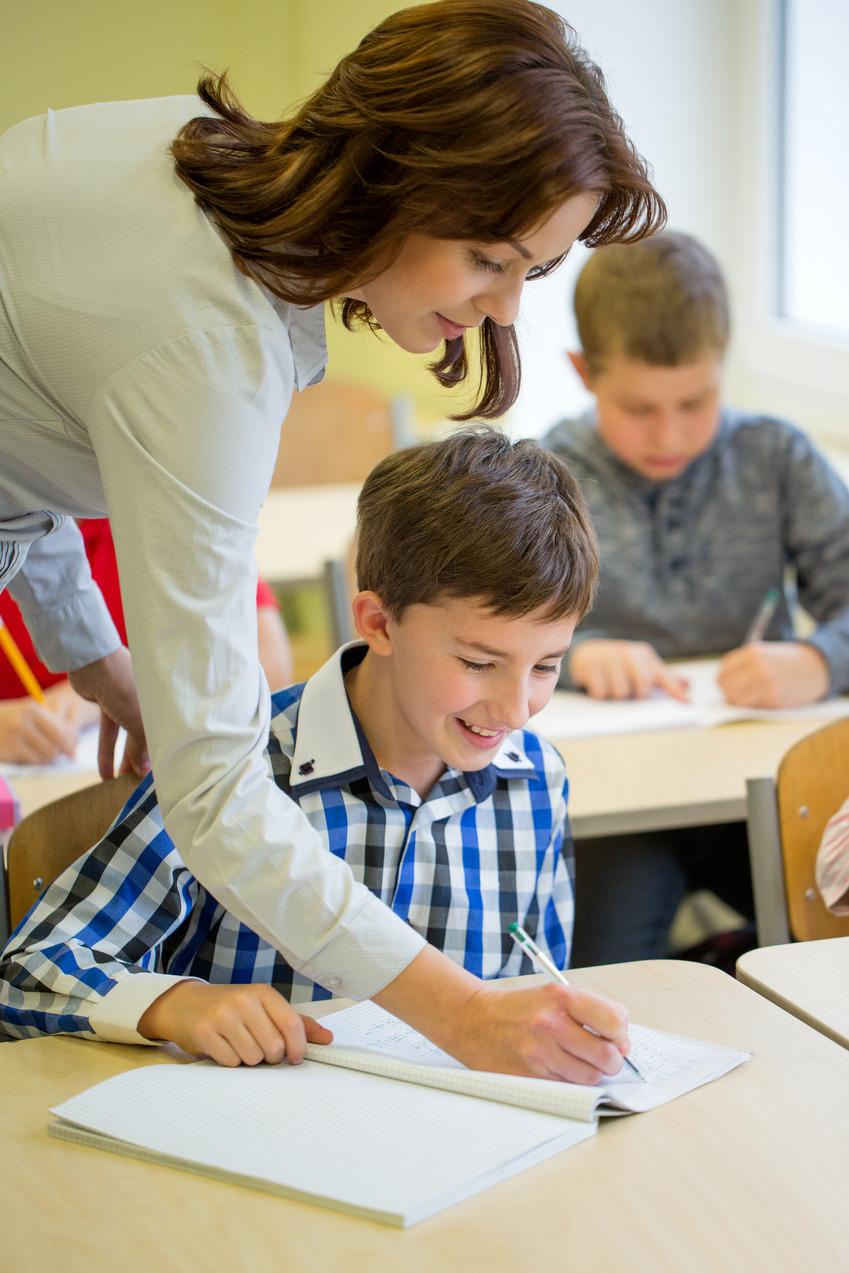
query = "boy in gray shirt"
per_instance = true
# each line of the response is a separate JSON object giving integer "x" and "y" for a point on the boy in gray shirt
{"x": 700, "y": 511}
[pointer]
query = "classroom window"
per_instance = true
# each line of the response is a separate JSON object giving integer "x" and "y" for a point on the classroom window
{"x": 813, "y": 174}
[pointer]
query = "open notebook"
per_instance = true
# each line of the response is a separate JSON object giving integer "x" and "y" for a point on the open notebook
{"x": 572, "y": 714}
{"x": 349, "y": 1135}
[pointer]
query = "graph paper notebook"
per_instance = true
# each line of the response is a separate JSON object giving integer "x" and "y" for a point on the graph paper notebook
{"x": 347, "y": 1133}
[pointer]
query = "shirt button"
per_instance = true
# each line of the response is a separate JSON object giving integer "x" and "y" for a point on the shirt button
{"x": 333, "y": 983}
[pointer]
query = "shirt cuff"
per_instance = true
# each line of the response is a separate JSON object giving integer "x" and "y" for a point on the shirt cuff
{"x": 832, "y": 647}
{"x": 374, "y": 949}
{"x": 75, "y": 633}
{"x": 115, "y": 1018}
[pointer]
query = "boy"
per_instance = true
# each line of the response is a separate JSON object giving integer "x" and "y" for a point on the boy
{"x": 699, "y": 511}
{"x": 408, "y": 754}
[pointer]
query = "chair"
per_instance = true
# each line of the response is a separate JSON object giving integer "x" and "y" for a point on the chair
{"x": 51, "y": 838}
{"x": 786, "y": 820}
{"x": 336, "y": 432}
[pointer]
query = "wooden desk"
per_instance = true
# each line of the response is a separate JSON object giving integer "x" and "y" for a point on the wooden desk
{"x": 809, "y": 979}
{"x": 673, "y": 777}
{"x": 745, "y": 1174}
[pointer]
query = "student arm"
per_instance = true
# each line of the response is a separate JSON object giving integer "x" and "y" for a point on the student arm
{"x": 83, "y": 960}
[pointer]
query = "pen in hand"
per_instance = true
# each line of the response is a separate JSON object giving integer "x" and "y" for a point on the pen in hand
{"x": 763, "y": 618}
{"x": 542, "y": 963}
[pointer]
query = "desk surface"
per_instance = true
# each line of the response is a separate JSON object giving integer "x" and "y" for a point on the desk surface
{"x": 672, "y": 777}
{"x": 809, "y": 979}
{"x": 746, "y": 1173}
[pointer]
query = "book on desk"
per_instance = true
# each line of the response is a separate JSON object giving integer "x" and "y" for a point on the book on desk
{"x": 380, "y": 1123}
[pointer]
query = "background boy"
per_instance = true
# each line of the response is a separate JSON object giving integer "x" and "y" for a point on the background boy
{"x": 408, "y": 754}
{"x": 699, "y": 510}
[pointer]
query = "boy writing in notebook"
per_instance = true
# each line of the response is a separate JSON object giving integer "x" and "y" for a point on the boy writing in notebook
{"x": 700, "y": 510}
{"x": 408, "y": 753}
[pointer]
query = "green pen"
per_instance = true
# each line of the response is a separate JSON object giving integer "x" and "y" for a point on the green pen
{"x": 763, "y": 618}
{"x": 541, "y": 961}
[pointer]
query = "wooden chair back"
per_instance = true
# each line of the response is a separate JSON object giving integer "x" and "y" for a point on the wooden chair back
{"x": 51, "y": 838}
{"x": 812, "y": 783}
{"x": 336, "y": 432}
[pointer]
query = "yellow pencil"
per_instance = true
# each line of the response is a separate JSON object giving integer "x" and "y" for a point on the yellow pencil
{"x": 21, "y": 668}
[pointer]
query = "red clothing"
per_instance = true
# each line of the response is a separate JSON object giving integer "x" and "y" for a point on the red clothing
{"x": 104, "y": 568}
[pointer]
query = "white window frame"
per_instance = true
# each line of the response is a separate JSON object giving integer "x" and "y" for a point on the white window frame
{"x": 781, "y": 366}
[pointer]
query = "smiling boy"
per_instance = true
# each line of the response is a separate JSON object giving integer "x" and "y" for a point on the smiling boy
{"x": 408, "y": 753}
{"x": 700, "y": 511}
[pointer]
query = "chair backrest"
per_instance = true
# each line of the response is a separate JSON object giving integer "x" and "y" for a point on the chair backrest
{"x": 812, "y": 783}
{"x": 336, "y": 432}
{"x": 51, "y": 838}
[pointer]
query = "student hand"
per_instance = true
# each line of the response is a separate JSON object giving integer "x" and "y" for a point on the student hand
{"x": 773, "y": 674}
{"x": 109, "y": 682}
{"x": 623, "y": 669}
{"x": 540, "y": 1032}
{"x": 233, "y": 1025}
{"x": 65, "y": 703}
{"x": 32, "y": 734}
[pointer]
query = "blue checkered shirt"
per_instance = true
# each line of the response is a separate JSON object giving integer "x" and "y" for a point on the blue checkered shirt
{"x": 128, "y": 919}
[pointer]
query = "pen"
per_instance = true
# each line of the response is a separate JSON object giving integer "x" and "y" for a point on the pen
{"x": 20, "y": 666}
{"x": 541, "y": 961}
{"x": 762, "y": 619}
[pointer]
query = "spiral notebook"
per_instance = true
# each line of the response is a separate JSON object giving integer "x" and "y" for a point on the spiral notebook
{"x": 380, "y": 1123}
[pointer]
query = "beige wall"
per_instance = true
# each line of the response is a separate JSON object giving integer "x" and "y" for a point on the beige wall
{"x": 65, "y": 52}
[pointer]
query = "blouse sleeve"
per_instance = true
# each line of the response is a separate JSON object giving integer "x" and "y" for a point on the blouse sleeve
{"x": 186, "y": 438}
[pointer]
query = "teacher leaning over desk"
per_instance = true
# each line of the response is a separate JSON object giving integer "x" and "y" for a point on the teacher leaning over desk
{"x": 163, "y": 268}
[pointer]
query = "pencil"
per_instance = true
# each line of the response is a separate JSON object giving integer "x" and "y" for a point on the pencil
{"x": 21, "y": 668}
{"x": 541, "y": 961}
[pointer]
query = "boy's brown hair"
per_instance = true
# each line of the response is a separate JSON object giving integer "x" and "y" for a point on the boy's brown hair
{"x": 476, "y": 515}
{"x": 662, "y": 301}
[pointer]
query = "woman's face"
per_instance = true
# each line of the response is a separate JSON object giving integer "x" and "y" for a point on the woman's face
{"x": 437, "y": 288}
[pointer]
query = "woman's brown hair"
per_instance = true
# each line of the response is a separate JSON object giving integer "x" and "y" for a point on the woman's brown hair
{"x": 459, "y": 119}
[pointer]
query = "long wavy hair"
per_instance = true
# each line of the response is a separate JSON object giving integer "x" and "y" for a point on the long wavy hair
{"x": 458, "y": 119}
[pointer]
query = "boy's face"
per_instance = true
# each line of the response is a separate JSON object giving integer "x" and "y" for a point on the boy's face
{"x": 462, "y": 677}
{"x": 657, "y": 420}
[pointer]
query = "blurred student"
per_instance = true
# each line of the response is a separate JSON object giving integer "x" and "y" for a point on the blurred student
{"x": 700, "y": 511}
{"x": 32, "y": 733}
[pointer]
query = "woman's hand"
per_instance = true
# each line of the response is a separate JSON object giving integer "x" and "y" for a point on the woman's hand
{"x": 110, "y": 684}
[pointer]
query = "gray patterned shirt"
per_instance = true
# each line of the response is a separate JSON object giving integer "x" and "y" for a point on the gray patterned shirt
{"x": 686, "y": 563}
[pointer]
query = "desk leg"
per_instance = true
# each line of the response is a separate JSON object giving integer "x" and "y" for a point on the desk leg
{"x": 765, "y": 860}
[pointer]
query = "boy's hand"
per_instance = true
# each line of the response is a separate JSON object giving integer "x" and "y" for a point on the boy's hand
{"x": 232, "y": 1025}
{"x": 623, "y": 669}
{"x": 774, "y": 674}
{"x": 540, "y": 1032}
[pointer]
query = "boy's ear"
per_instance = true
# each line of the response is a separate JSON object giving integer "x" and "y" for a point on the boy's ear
{"x": 372, "y": 621}
{"x": 579, "y": 362}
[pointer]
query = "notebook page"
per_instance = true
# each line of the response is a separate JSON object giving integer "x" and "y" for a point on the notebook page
{"x": 368, "y": 1038}
{"x": 671, "y": 1066}
{"x": 388, "y": 1149}
{"x": 571, "y": 714}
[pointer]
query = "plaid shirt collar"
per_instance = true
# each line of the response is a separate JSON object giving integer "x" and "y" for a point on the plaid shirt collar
{"x": 331, "y": 747}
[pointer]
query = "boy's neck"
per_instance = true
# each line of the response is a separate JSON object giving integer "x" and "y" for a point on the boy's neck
{"x": 375, "y": 704}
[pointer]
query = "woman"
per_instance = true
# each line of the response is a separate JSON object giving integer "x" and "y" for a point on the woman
{"x": 160, "y": 308}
